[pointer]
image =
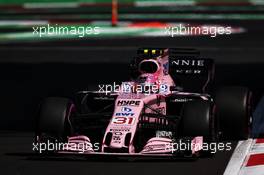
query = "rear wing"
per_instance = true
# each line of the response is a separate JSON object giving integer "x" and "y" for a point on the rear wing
{"x": 189, "y": 70}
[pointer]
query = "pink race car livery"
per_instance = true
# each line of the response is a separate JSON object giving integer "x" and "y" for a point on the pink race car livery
{"x": 164, "y": 110}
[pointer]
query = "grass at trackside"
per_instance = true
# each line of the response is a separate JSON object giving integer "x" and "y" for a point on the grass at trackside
{"x": 131, "y": 17}
{"x": 8, "y": 2}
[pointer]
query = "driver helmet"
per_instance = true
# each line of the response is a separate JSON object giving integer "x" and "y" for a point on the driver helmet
{"x": 149, "y": 71}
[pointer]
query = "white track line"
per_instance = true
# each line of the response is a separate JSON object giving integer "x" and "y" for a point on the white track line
{"x": 238, "y": 157}
{"x": 256, "y": 2}
{"x": 164, "y": 3}
{"x": 51, "y": 5}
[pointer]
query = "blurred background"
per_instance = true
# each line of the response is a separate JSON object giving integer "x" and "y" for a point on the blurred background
{"x": 18, "y": 17}
{"x": 33, "y": 66}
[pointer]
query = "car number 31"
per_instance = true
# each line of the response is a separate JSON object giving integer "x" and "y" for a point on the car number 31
{"x": 123, "y": 120}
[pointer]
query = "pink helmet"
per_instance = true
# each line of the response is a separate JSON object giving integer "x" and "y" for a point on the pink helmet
{"x": 150, "y": 70}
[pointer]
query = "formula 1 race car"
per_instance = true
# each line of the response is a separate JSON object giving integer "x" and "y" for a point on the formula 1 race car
{"x": 165, "y": 104}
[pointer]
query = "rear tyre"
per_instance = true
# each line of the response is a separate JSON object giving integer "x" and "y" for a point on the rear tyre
{"x": 234, "y": 111}
{"x": 53, "y": 120}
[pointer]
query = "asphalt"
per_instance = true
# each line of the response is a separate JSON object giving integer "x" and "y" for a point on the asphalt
{"x": 30, "y": 72}
{"x": 16, "y": 157}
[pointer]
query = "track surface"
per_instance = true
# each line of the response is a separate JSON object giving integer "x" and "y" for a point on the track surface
{"x": 16, "y": 158}
{"x": 77, "y": 65}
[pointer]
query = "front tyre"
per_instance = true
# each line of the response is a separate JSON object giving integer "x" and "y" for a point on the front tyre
{"x": 53, "y": 121}
{"x": 233, "y": 106}
{"x": 198, "y": 119}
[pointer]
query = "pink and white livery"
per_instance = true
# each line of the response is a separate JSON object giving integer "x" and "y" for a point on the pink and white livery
{"x": 164, "y": 110}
